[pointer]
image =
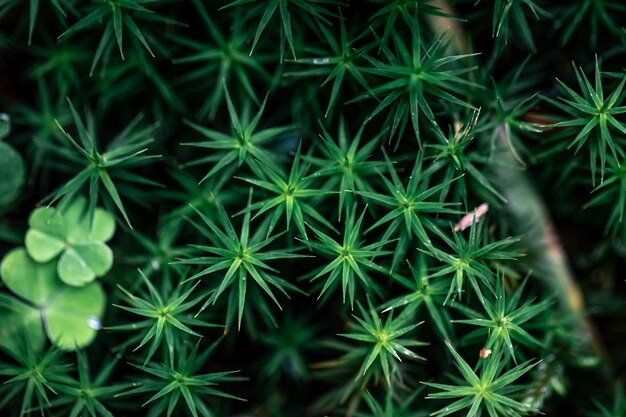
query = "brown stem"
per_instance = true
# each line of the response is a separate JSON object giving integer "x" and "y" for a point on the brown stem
{"x": 527, "y": 207}
{"x": 450, "y": 28}
{"x": 532, "y": 219}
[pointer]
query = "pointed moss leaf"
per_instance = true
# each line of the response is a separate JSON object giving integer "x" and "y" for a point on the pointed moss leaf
{"x": 46, "y": 237}
{"x": 33, "y": 281}
{"x": 82, "y": 263}
{"x": 73, "y": 317}
{"x": 12, "y": 173}
{"x": 19, "y": 320}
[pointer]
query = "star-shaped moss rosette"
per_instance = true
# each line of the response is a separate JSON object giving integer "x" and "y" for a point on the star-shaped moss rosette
{"x": 71, "y": 315}
{"x": 67, "y": 235}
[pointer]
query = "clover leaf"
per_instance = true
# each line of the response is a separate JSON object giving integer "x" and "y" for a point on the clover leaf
{"x": 12, "y": 168}
{"x": 72, "y": 318}
{"x": 5, "y": 125}
{"x": 18, "y": 321}
{"x": 71, "y": 315}
{"x": 78, "y": 240}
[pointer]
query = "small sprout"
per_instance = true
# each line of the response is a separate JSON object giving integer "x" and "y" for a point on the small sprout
{"x": 488, "y": 389}
{"x": 384, "y": 342}
{"x": 236, "y": 259}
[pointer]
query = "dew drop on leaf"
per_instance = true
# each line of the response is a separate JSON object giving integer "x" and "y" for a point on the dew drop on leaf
{"x": 94, "y": 323}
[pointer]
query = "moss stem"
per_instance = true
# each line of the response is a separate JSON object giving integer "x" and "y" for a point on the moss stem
{"x": 528, "y": 210}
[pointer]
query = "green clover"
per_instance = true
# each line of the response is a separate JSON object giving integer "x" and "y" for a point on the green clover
{"x": 12, "y": 168}
{"x": 71, "y": 315}
{"x": 83, "y": 253}
{"x": 19, "y": 322}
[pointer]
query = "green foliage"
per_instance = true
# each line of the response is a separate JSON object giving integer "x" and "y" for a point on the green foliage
{"x": 421, "y": 290}
{"x": 410, "y": 205}
{"x": 87, "y": 394}
{"x": 21, "y": 319}
{"x": 287, "y": 348}
{"x": 344, "y": 163}
{"x": 612, "y": 192}
{"x": 5, "y": 125}
{"x": 471, "y": 259}
{"x": 290, "y": 195}
{"x": 491, "y": 391}
{"x": 223, "y": 58}
{"x": 33, "y": 10}
{"x": 340, "y": 60}
{"x": 454, "y": 153}
{"x": 311, "y": 12}
{"x": 591, "y": 118}
{"x": 125, "y": 151}
{"x": 242, "y": 145}
{"x": 389, "y": 12}
{"x": 504, "y": 322}
{"x": 162, "y": 318}
{"x": 187, "y": 186}
{"x": 415, "y": 72}
{"x": 241, "y": 258}
{"x": 53, "y": 276}
{"x": 12, "y": 173}
{"x": 599, "y": 15}
{"x": 171, "y": 382}
{"x": 30, "y": 376}
{"x": 618, "y": 407}
{"x": 116, "y": 15}
{"x": 75, "y": 238}
{"x": 385, "y": 341}
{"x": 12, "y": 169}
{"x": 508, "y": 14}
{"x": 70, "y": 314}
{"x": 390, "y": 407}
{"x": 351, "y": 259}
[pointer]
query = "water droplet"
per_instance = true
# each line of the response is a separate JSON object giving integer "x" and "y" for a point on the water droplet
{"x": 321, "y": 61}
{"x": 155, "y": 265}
{"x": 94, "y": 323}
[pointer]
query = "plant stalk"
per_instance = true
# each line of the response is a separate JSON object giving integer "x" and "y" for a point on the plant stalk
{"x": 529, "y": 211}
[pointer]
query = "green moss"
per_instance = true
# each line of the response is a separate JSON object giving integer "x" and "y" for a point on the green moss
{"x": 364, "y": 208}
